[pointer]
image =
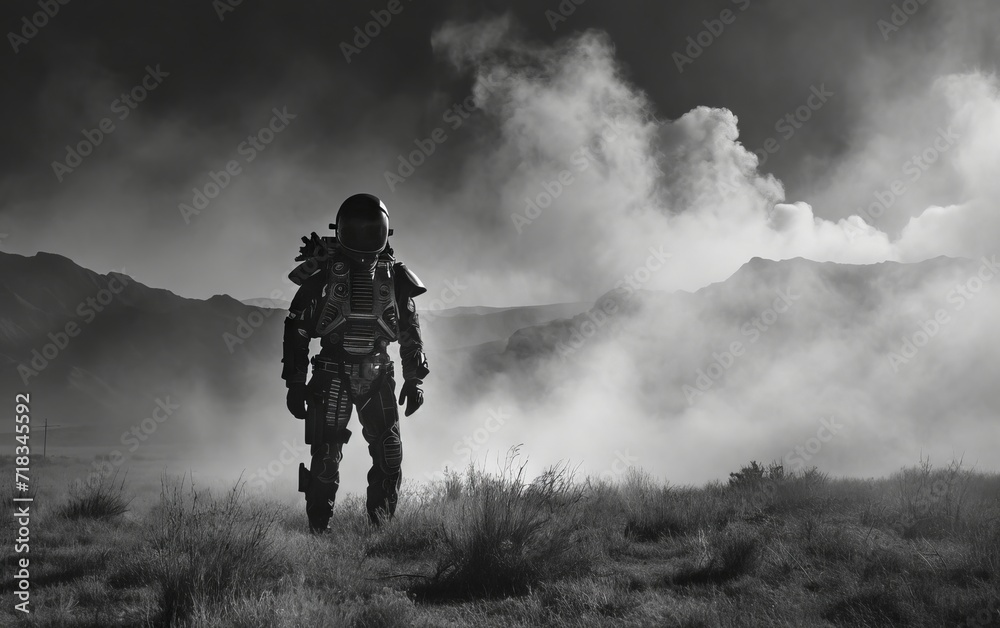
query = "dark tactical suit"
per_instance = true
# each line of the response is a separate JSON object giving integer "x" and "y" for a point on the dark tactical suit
{"x": 357, "y": 313}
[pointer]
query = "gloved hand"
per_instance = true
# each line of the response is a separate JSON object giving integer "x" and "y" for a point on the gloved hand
{"x": 296, "y": 400}
{"x": 412, "y": 394}
{"x": 312, "y": 246}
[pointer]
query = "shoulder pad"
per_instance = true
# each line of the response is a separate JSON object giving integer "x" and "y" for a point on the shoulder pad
{"x": 407, "y": 277}
{"x": 305, "y": 270}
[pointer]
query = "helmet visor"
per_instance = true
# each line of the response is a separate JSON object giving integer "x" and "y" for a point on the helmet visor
{"x": 364, "y": 233}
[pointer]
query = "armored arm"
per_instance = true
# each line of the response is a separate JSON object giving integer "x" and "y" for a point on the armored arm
{"x": 411, "y": 345}
{"x": 298, "y": 332}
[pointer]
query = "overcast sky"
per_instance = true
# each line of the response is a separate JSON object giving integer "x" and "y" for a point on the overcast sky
{"x": 645, "y": 139}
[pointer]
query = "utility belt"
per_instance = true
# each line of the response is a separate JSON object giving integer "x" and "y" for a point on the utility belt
{"x": 363, "y": 366}
{"x": 362, "y": 373}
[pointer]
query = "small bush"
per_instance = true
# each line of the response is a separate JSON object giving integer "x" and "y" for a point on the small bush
{"x": 755, "y": 477}
{"x": 654, "y": 512}
{"x": 931, "y": 502}
{"x": 508, "y": 537}
{"x": 452, "y": 485}
{"x": 650, "y": 513}
{"x": 100, "y": 497}
{"x": 206, "y": 550}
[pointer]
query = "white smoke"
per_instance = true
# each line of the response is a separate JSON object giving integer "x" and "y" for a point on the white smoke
{"x": 690, "y": 188}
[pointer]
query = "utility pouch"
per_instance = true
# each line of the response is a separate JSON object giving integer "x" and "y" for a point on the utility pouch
{"x": 303, "y": 477}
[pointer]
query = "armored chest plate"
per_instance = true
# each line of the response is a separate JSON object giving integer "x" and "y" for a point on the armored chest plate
{"x": 359, "y": 308}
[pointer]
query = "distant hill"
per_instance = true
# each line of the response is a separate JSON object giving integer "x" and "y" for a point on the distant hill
{"x": 97, "y": 351}
{"x": 779, "y": 343}
{"x": 278, "y": 304}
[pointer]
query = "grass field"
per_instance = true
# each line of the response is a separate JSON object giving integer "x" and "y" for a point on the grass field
{"x": 766, "y": 548}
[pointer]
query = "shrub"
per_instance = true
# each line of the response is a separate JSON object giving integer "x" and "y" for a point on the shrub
{"x": 649, "y": 512}
{"x": 452, "y": 485}
{"x": 100, "y": 497}
{"x": 755, "y": 475}
{"x": 508, "y": 536}
{"x": 205, "y": 550}
{"x": 931, "y": 502}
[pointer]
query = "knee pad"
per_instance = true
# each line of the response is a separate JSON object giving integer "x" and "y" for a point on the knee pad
{"x": 391, "y": 449}
{"x": 326, "y": 463}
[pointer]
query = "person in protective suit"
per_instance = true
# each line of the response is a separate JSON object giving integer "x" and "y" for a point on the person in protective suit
{"x": 357, "y": 299}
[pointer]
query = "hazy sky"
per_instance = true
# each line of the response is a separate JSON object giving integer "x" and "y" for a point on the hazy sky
{"x": 644, "y": 138}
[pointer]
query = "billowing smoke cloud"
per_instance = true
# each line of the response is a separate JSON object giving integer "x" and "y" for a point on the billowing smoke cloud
{"x": 689, "y": 188}
{"x": 631, "y": 181}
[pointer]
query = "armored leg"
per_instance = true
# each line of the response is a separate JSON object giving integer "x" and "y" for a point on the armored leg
{"x": 380, "y": 423}
{"x": 326, "y": 432}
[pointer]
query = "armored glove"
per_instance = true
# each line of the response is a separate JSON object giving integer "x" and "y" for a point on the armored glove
{"x": 296, "y": 400}
{"x": 313, "y": 246}
{"x": 412, "y": 394}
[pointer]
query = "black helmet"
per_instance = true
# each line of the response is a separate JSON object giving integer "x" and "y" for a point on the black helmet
{"x": 363, "y": 224}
